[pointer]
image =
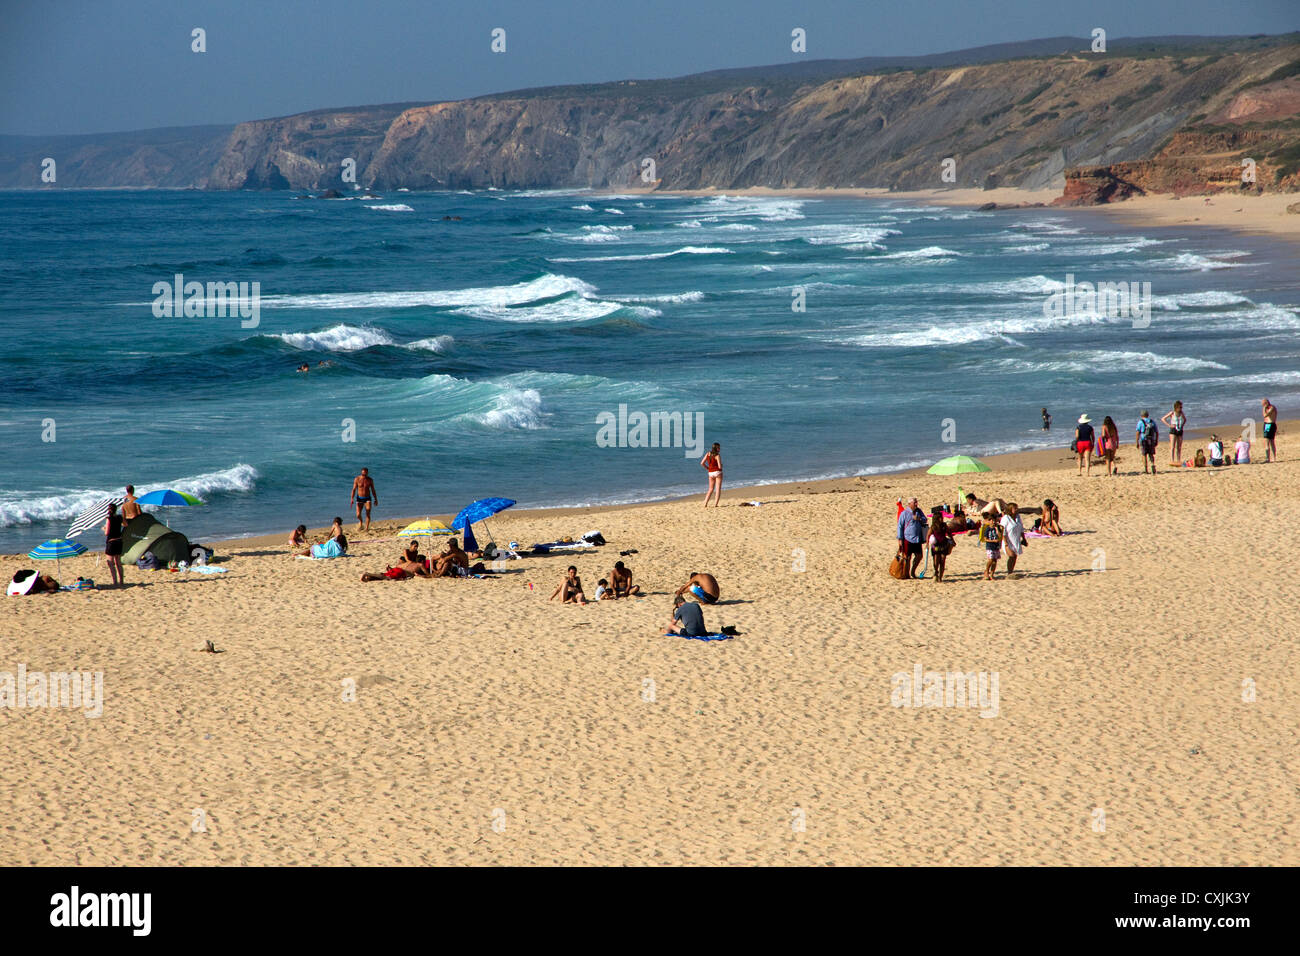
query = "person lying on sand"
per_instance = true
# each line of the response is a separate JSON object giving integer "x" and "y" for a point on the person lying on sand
{"x": 400, "y": 572}
{"x": 445, "y": 564}
{"x": 703, "y": 586}
{"x": 689, "y": 615}
{"x": 622, "y": 578}
{"x": 571, "y": 587}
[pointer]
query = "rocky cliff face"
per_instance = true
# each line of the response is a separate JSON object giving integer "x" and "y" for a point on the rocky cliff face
{"x": 1159, "y": 117}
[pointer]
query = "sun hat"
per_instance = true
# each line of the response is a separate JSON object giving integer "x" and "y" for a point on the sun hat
{"x": 1084, "y": 419}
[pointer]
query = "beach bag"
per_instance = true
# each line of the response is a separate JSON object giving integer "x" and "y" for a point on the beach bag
{"x": 897, "y": 567}
{"x": 148, "y": 562}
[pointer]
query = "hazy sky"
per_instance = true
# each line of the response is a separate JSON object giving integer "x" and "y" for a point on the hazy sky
{"x": 88, "y": 66}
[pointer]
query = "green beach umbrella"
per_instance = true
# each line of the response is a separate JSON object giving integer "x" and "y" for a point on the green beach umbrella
{"x": 957, "y": 465}
{"x": 168, "y": 499}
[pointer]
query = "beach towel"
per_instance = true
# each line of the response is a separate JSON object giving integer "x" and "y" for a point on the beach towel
{"x": 562, "y": 546}
{"x": 330, "y": 549}
{"x": 702, "y": 637}
{"x": 208, "y": 568}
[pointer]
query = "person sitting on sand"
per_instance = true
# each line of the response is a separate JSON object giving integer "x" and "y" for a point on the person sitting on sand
{"x": 1050, "y": 522}
{"x": 336, "y": 534}
{"x": 603, "y": 591}
{"x": 974, "y": 505}
{"x": 703, "y": 586}
{"x": 1199, "y": 460}
{"x": 298, "y": 537}
{"x": 445, "y": 565}
{"x": 940, "y": 542}
{"x": 1241, "y": 451}
{"x": 622, "y": 578}
{"x": 690, "y": 616}
{"x": 1214, "y": 451}
{"x": 570, "y": 588}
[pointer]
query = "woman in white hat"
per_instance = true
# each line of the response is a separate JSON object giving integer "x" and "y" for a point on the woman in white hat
{"x": 1083, "y": 438}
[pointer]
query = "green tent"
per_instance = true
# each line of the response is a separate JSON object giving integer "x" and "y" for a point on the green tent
{"x": 145, "y": 533}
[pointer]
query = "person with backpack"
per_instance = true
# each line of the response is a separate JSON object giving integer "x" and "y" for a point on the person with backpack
{"x": 1148, "y": 440}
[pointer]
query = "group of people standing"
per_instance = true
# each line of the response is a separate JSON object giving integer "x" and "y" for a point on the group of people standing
{"x": 999, "y": 530}
{"x": 117, "y": 517}
{"x": 1090, "y": 442}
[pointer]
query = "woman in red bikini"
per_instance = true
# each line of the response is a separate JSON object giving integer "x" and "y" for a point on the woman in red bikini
{"x": 712, "y": 463}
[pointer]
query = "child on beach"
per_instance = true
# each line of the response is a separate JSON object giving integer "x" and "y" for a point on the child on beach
{"x": 991, "y": 541}
{"x": 298, "y": 537}
{"x": 571, "y": 587}
{"x": 940, "y": 542}
{"x": 603, "y": 591}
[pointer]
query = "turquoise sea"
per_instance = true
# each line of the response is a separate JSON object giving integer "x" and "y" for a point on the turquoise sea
{"x": 474, "y": 357}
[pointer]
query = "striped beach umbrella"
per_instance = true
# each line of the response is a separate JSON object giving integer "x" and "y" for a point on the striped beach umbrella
{"x": 93, "y": 517}
{"x": 55, "y": 549}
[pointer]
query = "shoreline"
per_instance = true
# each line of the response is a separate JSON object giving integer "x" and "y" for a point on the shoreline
{"x": 1264, "y": 215}
{"x": 1046, "y": 461}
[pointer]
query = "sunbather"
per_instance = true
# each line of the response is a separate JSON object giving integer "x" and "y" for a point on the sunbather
{"x": 703, "y": 586}
{"x": 622, "y": 578}
{"x": 571, "y": 588}
{"x": 400, "y": 572}
{"x": 453, "y": 557}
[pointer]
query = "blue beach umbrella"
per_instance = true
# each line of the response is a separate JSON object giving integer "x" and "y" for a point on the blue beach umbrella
{"x": 480, "y": 510}
{"x": 55, "y": 549}
{"x": 168, "y": 498}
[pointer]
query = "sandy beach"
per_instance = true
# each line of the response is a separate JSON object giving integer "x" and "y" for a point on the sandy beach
{"x": 1143, "y": 662}
{"x": 1256, "y": 215}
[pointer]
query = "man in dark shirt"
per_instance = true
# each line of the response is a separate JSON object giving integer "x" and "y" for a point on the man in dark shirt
{"x": 689, "y": 615}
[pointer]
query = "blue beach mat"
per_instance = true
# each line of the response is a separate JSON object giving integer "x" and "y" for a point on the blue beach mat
{"x": 703, "y": 637}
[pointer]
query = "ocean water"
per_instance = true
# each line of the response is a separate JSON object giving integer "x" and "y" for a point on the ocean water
{"x": 475, "y": 357}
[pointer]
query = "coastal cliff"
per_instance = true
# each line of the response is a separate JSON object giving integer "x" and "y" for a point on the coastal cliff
{"x": 1173, "y": 115}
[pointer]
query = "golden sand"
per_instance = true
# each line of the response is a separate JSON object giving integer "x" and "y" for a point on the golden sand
{"x": 492, "y": 726}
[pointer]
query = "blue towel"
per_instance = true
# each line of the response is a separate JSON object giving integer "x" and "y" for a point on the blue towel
{"x": 330, "y": 549}
{"x": 703, "y": 637}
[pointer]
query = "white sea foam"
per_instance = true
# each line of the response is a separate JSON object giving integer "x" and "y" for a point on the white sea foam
{"x": 693, "y": 296}
{"x": 20, "y": 508}
{"x": 1191, "y": 262}
{"x": 1032, "y": 247}
{"x": 338, "y": 338}
{"x": 543, "y": 287}
{"x": 929, "y": 252}
{"x": 437, "y": 343}
{"x": 597, "y": 233}
{"x": 567, "y": 309}
{"x": 768, "y": 210}
{"x": 514, "y": 408}
{"x": 616, "y": 212}
{"x": 393, "y": 207}
{"x": 683, "y": 251}
{"x": 583, "y": 208}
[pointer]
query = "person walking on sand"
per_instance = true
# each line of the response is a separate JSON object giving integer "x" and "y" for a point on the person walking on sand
{"x": 1270, "y": 429}
{"x": 1083, "y": 438}
{"x": 113, "y": 546}
{"x": 940, "y": 542}
{"x": 912, "y": 529}
{"x": 1176, "y": 421}
{"x": 364, "y": 495}
{"x": 1109, "y": 444}
{"x": 1147, "y": 441}
{"x": 991, "y": 542}
{"x": 130, "y": 508}
{"x": 1013, "y": 534}
{"x": 712, "y": 463}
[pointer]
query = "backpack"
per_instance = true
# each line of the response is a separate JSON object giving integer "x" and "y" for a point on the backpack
{"x": 1150, "y": 433}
